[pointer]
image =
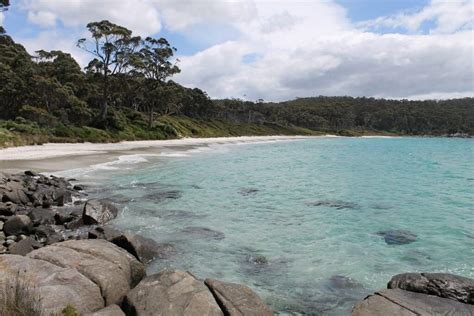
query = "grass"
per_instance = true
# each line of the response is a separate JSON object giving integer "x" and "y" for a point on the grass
{"x": 22, "y": 299}
{"x": 132, "y": 126}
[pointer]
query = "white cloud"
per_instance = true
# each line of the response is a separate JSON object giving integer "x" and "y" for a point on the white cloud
{"x": 56, "y": 40}
{"x": 42, "y": 18}
{"x": 303, "y": 48}
{"x": 141, "y": 16}
{"x": 309, "y": 49}
{"x": 444, "y": 16}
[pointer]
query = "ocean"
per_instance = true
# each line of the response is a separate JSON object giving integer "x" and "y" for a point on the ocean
{"x": 312, "y": 225}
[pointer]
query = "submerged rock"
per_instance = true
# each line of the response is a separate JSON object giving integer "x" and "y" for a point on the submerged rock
{"x": 160, "y": 196}
{"x": 98, "y": 212}
{"x": 171, "y": 292}
{"x": 237, "y": 299}
{"x": 341, "y": 282}
{"x": 248, "y": 191}
{"x": 397, "y": 237}
{"x": 337, "y": 204}
{"x": 440, "y": 284}
{"x": 203, "y": 232}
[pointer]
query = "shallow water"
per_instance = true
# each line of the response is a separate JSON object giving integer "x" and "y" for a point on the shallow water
{"x": 298, "y": 221}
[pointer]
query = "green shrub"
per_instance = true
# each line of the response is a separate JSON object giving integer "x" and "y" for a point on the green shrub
{"x": 38, "y": 115}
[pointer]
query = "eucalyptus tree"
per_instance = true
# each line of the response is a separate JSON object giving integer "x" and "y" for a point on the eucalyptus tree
{"x": 111, "y": 45}
{"x": 153, "y": 61}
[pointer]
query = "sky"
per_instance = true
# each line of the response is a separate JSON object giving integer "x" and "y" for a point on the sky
{"x": 281, "y": 49}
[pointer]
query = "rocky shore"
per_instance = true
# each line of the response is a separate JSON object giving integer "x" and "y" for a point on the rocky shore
{"x": 59, "y": 245}
{"x": 413, "y": 294}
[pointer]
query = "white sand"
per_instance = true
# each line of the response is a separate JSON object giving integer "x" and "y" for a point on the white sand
{"x": 52, "y": 150}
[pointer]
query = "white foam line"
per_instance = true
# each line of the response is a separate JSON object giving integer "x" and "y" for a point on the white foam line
{"x": 52, "y": 150}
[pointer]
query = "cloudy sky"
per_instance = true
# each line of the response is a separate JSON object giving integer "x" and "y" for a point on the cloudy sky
{"x": 281, "y": 49}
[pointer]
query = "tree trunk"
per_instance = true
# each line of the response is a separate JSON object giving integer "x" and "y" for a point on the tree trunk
{"x": 150, "y": 117}
{"x": 105, "y": 96}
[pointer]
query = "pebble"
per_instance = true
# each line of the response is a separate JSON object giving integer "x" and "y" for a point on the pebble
{"x": 12, "y": 237}
{"x": 9, "y": 242}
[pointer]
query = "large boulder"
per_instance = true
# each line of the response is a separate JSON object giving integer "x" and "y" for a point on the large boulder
{"x": 237, "y": 299}
{"x": 98, "y": 212}
{"x": 406, "y": 303}
{"x": 56, "y": 287}
{"x": 111, "y": 310}
{"x": 105, "y": 250}
{"x": 144, "y": 249}
{"x": 104, "y": 263}
{"x": 171, "y": 292}
{"x": 13, "y": 191}
{"x": 17, "y": 225}
{"x": 440, "y": 284}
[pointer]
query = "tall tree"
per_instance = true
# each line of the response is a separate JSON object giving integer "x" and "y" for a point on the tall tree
{"x": 111, "y": 44}
{"x": 154, "y": 62}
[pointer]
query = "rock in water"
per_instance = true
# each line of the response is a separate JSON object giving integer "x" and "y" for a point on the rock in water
{"x": 203, "y": 232}
{"x": 56, "y": 286}
{"x": 98, "y": 212}
{"x": 397, "y": 237}
{"x": 18, "y": 224}
{"x": 171, "y": 292}
{"x": 405, "y": 303}
{"x": 237, "y": 299}
{"x": 144, "y": 249}
{"x": 440, "y": 284}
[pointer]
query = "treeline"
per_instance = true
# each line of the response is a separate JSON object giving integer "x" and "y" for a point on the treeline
{"x": 347, "y": 115}
{"x": 125, "y": 92}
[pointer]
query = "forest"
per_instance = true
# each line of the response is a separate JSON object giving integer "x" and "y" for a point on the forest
{"x": 126, "y": 93}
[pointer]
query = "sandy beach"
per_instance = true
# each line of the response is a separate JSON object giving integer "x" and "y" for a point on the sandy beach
{"x": 61, "y": 156}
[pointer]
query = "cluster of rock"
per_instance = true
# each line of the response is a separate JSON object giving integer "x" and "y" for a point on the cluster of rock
{"x": 72, "y": 258}
{"x": 36, "y": 211}
{"x": 411, "y": 294}
{"x": 97, "y": 277}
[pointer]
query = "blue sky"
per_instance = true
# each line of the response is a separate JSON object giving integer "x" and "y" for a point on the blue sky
{"x": 281, "y": 49}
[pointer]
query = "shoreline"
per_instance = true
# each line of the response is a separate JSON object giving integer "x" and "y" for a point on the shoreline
{"x": 57, "y": 157}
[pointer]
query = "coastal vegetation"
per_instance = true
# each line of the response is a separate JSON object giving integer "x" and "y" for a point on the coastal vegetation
{"x": 125, "y": 93}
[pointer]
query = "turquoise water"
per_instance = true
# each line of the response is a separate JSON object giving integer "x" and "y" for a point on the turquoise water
{"x": 298, "y": 220}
